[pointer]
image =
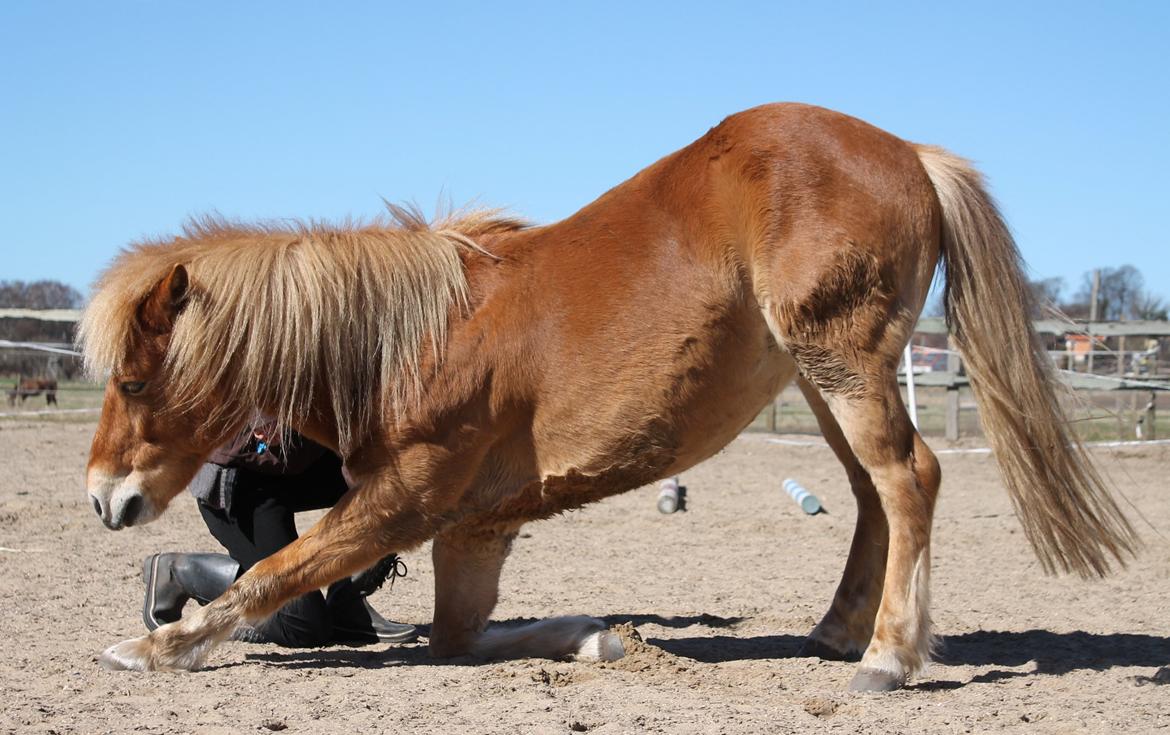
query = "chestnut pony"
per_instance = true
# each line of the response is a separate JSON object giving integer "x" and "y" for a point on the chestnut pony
{"x": 476, "y": 373}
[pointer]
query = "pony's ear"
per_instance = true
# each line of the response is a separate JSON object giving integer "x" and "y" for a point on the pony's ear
{"x": 157, "y": 312}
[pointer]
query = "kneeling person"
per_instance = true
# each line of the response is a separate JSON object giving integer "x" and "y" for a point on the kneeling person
{"x": 248, "y": 497}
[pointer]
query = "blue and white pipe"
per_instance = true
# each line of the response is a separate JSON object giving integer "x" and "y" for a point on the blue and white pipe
{"x": 806, "y": 500}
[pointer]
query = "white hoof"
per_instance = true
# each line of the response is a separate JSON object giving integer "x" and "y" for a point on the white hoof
{"x": 131, "y": 655}
{"x": 601, "y": 646}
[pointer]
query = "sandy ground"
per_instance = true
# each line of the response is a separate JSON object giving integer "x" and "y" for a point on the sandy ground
{"x": 721, "y": 596}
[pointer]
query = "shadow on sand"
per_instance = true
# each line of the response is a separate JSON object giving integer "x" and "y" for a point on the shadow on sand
{"x": 373, "y": 657}
{"x": 1053, "y": 653}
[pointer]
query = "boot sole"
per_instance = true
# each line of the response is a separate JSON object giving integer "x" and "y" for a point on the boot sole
{"x": 344, "y": 636}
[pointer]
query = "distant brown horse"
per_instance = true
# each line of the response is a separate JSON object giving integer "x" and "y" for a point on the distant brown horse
{"x": 30, "y": 387}
{"x": 477, "y": 374}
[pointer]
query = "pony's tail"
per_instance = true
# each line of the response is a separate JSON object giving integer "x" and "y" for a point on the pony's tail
{"x": 1069, "y": 516}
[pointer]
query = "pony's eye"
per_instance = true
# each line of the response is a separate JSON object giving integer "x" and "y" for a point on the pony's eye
{"x": 132, "y": 387}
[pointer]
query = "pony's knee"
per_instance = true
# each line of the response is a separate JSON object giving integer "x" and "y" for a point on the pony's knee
{"x": 451, "y": 643}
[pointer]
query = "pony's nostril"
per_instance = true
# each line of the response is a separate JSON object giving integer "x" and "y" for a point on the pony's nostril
{"x": 97, "y": 505}
{"x": 131, "y": 511}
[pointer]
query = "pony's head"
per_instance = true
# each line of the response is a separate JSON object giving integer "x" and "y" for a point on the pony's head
{"x": 146, "y": 450}
{"x": 201, "y": 333}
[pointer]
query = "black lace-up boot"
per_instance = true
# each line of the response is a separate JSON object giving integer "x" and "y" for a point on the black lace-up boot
{"x": 354, "y": 620}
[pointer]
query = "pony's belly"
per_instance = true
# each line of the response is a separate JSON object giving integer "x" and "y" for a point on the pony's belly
{"x": 680, "y": 436}
{"x": 726, "y": 407}
{"x": 707, "y": 407}
{"x": 662, "y": 404}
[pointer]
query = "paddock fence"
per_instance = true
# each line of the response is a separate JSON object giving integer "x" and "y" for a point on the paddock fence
{"x": 1118, "y": 374}
{"x": 39, "y": 344}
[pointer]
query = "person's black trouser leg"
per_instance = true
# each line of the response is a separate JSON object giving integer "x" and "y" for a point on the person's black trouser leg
{"x": 261, "y": 522}
{"x": 303, "y": 622}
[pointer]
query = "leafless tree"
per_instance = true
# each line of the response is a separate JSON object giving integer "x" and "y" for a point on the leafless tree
{"x": 38, "y": 295}
{"x": 1121, "y": 295}
{"x": 1045, "y": 295}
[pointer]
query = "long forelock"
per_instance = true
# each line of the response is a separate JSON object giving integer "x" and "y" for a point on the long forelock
{"x": 281, "y": 312}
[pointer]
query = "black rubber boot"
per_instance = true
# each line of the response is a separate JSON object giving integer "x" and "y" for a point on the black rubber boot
{"x": 172, "y": 579}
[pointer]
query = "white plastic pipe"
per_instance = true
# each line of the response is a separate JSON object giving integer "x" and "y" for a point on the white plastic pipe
{"x": 909, "y": 359}
{"x": 668, "y": 495}
{"x": 806, "y": 500}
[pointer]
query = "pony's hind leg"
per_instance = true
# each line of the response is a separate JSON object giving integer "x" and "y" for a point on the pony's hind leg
{"x": 845, "y": 322}
{"x": 467, "y": 573}
{"x": 847, "y": 627}
{"x": 906, "y": 477}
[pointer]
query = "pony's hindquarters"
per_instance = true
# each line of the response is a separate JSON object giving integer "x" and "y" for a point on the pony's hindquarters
{"x": 1069, "y": 517}
{"x": 845, "y": 316}
{"x": 842, "y": 280}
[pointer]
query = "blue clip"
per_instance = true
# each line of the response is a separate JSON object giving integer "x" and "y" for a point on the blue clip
{"x": 261, "y": 447}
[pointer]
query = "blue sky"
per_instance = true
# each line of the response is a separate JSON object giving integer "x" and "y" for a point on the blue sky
{"x": 120, "y": 119}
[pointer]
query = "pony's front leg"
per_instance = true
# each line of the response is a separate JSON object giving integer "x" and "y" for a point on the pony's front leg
{"x": 182, "y": 645}
{"x": 351, "y": 536}
{"x": 467, "y": 581}
{"x": 467, "y": 574}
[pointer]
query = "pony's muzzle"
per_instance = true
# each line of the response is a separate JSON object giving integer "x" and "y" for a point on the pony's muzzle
{"x": 101, "y": 506}
{"x": 126, "y": 512}
{"x": 121, "y": 511}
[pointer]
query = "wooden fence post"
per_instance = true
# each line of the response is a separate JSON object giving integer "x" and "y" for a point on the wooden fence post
{"x": 952, "y": 420}
{"x": 1122, "y": 421}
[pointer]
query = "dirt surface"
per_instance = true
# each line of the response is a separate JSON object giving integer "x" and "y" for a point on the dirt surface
{"x": 713, "y": 604}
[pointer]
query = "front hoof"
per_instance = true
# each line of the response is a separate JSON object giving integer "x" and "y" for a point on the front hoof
{"x": 601, "y": 646}
{"x": 875, "y": 680}
{"x": 131, "y": 655}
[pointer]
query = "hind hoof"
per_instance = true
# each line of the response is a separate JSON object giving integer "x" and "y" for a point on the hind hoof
{"x": 875, "y": 680}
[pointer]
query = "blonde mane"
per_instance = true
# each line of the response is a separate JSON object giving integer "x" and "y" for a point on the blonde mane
{"x": 281, "y": 312}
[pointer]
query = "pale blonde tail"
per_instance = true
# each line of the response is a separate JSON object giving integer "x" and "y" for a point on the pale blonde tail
{"x": 1068, "y": 515}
